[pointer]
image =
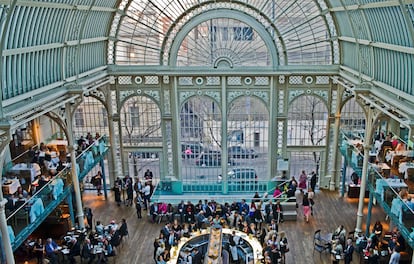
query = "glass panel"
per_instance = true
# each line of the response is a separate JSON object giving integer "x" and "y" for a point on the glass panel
{"x": 200, "y": 121}
{"x": 90, "y": 116}
{"x": 306, "y": 161}
{"x": 307, "y": 121}
{"x": 248, "y": 128}
{"x": 140, "y": 120}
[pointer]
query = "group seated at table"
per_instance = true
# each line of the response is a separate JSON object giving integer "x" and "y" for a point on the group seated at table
{"x": 94, "y": 246}
{"x": 187, "y": 218}
{"x": 380, "y": 244}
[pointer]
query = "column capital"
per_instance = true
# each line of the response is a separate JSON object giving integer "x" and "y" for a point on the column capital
{"x": 70, "y": 148}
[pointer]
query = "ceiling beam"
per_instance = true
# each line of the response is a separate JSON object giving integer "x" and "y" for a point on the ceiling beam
{"x": 9, "y": 52}
{"x": 380, "y": 45}
{"x": 58, "y": 5}
{"x": 371, "y": 5}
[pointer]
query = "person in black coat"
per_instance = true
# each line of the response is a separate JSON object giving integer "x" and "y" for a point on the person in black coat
{"x": 74, "y": 250}
{"x": 123, "y": 229}
{"x": 117, "y": 189}
{"x": 313, "y": 181}
{"x": 197, "y": 257}
{"x": 349, "y": 251}
{"x": 87, "y": 251}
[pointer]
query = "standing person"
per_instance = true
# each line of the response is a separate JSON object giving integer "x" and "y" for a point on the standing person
{"x": 349, "y": 250}
{"x": 138, "y": 188}
{"x": 148, "y": 175}
{"x": 284, "y": 247}
{"x": 97, "y": 182}
{"x": 89, "y": 215}
{"x": 258, "y": 217}
{"x": 117, "y": 189}
{"x": 303, "y": 178}
{"x": 311, "y": 195}
{"x": 234, "y": 241}
{"x": 395, "y": 256}
{"x": 278, "y": 212}
{"x": 39, "y": 248}
{"x": 146, "y": 191}
{"x": 138, "y": 207}
{"x": 129, "y": 191}
{"x": 123, "y": 229}
{"x": 306, "y": 207}
{"x": 313, "y": 180}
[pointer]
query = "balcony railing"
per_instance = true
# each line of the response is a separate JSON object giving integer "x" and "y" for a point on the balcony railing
{"x": 33, "y": 210}
{"x": 392, "y": 193}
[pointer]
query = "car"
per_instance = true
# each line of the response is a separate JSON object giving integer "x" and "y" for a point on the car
{"x": 239, "y": 152}
{"x": 209, "y": 159}
{"x": 191, "y": 149}
{"x": 240, "y": 176}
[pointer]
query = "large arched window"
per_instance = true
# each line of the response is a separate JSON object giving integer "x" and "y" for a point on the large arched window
{"x": 90, "y": 117}
{"x": 352, "y": 119}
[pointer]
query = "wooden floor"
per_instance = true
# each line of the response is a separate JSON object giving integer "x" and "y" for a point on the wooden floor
{"x": 330, "y": 211}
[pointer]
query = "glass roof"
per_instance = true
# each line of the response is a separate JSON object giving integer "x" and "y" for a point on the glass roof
{"x": 151, "y": 31}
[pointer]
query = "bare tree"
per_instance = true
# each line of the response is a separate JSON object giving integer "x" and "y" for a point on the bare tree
{"x": 141, "y": 120}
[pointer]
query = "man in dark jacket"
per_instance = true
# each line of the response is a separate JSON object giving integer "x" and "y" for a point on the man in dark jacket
{"x": 197, "y": 257}
{"x": 349, "y": 250}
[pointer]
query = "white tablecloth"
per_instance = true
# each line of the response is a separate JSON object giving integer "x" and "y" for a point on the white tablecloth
{"x": 57, "y": 187}
{"x": 404, "y": 166}
{"x": 392, "y": 183}
{"x": 34, "y": 170}
{"x": 36, "y": 209}
{"x": 11, "y": 187}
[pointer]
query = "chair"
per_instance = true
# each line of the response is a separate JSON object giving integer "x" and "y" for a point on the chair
{"x": 319, "y": 244}
{"x": 410, "y": 174}
{"x": 22, "y": 214}
{"x": 351, "y": 235}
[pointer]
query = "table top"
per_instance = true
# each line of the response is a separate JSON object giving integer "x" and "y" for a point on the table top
{"x": 254, "y": 243}
{"x": 394, "y": 183}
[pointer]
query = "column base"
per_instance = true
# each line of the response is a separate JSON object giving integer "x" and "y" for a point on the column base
{"x": 332, "y": 186}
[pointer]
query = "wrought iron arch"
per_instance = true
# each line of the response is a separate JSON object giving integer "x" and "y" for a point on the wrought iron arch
{"x": 126, "y": 98}
{"x": 222, "y": 13}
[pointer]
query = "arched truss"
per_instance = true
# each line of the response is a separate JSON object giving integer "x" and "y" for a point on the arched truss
{"x": 201, "y": 42}
{"x": 302, "y": 33}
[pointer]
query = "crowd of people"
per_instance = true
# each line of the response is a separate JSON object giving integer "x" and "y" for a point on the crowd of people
{"x": 255, "y": 219}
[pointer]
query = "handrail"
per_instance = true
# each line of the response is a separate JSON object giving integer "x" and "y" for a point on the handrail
{"x": 59, "y": 175}
{"x": 49, "y": 204}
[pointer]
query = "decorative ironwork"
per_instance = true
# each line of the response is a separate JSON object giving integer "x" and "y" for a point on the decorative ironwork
{"x": 263, "y": 95}
{"x": 215, "y": 80}
{"x": 125, "y": 94}
{"x": 154, "y": 94}
{"x": 185, "y": 95}
{"x": 152, "y": 80}
{"x": 215, "y": 95}
{"x": 295, "y": 93}
{"x": 234, "y": 80}
{"x": 232, "y": 95}
{"x": 124, "y": 80}
{"x": 261, "y": 81}
{"x": 167, "y": 103}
